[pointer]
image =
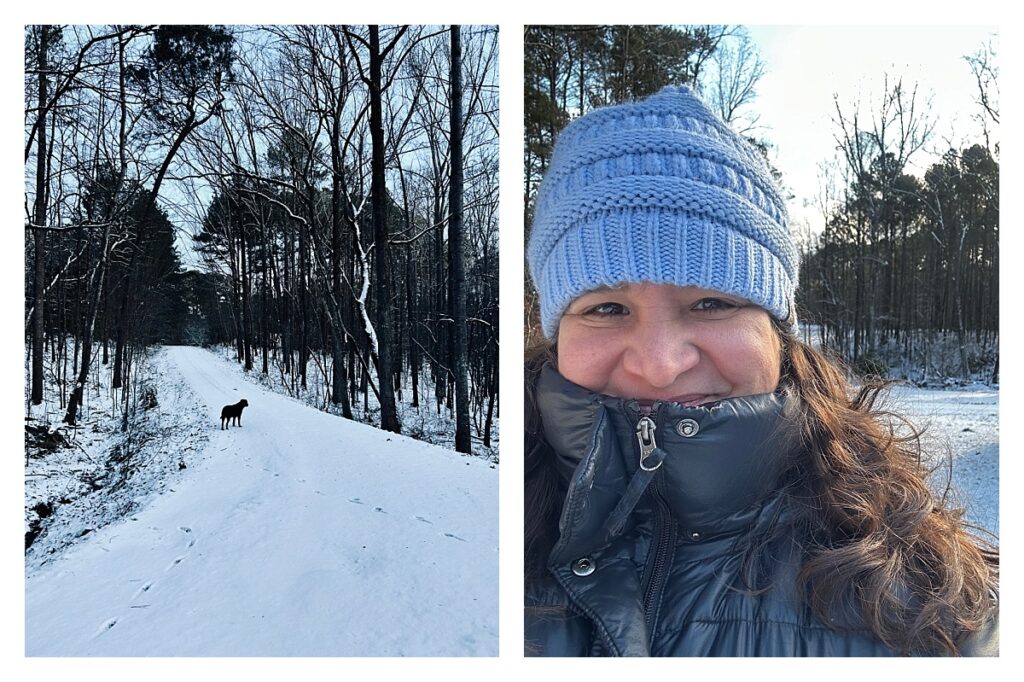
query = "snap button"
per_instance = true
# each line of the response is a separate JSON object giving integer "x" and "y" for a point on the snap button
{"x": 687, "y": 428}
{"x": 584, "y": 566}
{"x": 695, "y": 536}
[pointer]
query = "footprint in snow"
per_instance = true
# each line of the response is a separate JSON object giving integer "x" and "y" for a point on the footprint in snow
{"x": 175, "y": 562}
{"x": 420, "y": 518}
{"x": 188, "y": 531}
{"x": 142, "y": 590}
{"x": 379, "y": 509}
{"x": 355, "y": 500}
{"x": 455, "y": 537}
{"x": 106, "y": 626}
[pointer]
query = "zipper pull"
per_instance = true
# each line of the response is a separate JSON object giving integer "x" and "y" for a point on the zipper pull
{"x": 645, "y": 435}
{"x": 650, "y": 454}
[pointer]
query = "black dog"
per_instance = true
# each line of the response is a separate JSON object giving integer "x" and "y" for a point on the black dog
{"x": 233, "y": 412}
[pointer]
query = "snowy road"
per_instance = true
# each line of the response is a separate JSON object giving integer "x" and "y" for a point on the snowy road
{"x": 299, "y": 534}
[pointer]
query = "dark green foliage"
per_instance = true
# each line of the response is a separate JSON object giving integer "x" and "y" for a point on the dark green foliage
{"x": 182, "y": 65}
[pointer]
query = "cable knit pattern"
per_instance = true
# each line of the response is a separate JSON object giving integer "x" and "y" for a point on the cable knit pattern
{"x": 660, "y": 191}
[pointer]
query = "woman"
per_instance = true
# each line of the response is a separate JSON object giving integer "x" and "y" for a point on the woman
{"x": 699, "y": 481}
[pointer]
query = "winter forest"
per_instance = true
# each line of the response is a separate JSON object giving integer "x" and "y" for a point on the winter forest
{"x": 299, "y": 224}
{"x": 902, "y": 280}
{"x": 288, "y": 191}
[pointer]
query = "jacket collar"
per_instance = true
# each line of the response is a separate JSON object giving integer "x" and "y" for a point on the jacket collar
{"x": 721, "y": 460}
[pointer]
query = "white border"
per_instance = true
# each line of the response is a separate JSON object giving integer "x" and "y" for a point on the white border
{"x": 511, "y": 16}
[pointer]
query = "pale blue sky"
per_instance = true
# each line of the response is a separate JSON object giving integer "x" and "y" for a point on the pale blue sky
{"x": 807, "y": 66}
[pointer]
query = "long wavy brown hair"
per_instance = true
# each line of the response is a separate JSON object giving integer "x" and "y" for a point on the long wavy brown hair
{"x": 875, "y": 538}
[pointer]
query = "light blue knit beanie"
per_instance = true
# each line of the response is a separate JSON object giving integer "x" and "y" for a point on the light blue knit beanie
{"x": 659, "y": 191}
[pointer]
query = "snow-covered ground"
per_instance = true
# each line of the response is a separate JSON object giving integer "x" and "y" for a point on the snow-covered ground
{"x": 305, "y": 534}
{"x": 425, "y": 422}
{"x": 962, "y": 430}
{"x": 299, "y": 534}
{"x": 104, "y": 474}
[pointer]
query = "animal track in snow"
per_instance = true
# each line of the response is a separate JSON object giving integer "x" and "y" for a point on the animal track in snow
{"x": 420, "y": 518}
{"x": 188, "y": 531}
{"x": 456, "y": 537}
{"x": 379, "y": 509}
{"x": 355, "y": 500}
{"x": 175, "y": 562}
{"x": 106, "y": 626}
{"x": 142, "y": 590}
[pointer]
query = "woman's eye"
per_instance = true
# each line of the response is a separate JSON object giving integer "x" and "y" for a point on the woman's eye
{"x": 715, "y": 306}
{"x": 607, "y": 309}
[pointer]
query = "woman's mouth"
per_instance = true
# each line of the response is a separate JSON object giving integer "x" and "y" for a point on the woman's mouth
{"x": 691, "y": 400}
{"x": 688, "y": 400}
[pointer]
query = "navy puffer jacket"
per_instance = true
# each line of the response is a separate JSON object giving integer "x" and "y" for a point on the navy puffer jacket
{"x": 650, "y": 555}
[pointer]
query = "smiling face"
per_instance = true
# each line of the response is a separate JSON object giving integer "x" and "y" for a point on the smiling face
{"x": 664, "y": 342}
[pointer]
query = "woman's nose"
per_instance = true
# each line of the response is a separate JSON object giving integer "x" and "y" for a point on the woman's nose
{"x": 660, "y": 352}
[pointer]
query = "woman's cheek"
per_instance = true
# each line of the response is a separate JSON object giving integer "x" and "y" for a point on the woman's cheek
{"x": 749, "y": 357}
{"x": 587, "y": 358}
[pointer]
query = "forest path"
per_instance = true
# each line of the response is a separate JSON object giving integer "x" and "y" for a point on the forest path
{"x": 298, "y": 534}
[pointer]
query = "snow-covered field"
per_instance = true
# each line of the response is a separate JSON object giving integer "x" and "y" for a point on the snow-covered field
{"x": 299, "y": 534}
{"x": 962, "y": 431}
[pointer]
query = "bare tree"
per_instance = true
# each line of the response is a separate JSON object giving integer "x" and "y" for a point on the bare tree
{"x": 372, "y": 76}
{"x": 876, "y": 155}
{"x": 731, "y": 84}
{"x": 985, "y": 69}
{"x": 455, "y": 228}
{"x": 42, "y": 37}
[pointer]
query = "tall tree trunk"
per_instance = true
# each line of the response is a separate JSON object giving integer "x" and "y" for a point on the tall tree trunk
{"x": 414, "y": 321}
{"x": 96, "y": 286}
{"x": 245, "y": 310}
{"x": 286, "y": 299}
{"x": 463, "y": 439}
{"x": 382, "y": 270}
{"x": 264, "y": 312}
{"x": 438, "y": 361}
{"x": 303, "y": 286}
{"x": 339, "y": 380}
{"x": 38, "y": 234}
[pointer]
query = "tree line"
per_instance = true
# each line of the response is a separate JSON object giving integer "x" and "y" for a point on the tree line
{"x": 339, "y": 184}
{"x": 905, "y": 260}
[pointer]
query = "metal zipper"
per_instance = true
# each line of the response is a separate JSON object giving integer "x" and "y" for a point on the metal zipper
{"x": 662, "y": 547}
{"x": 662, "y": 535}
{"x": 645, "y": 436}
